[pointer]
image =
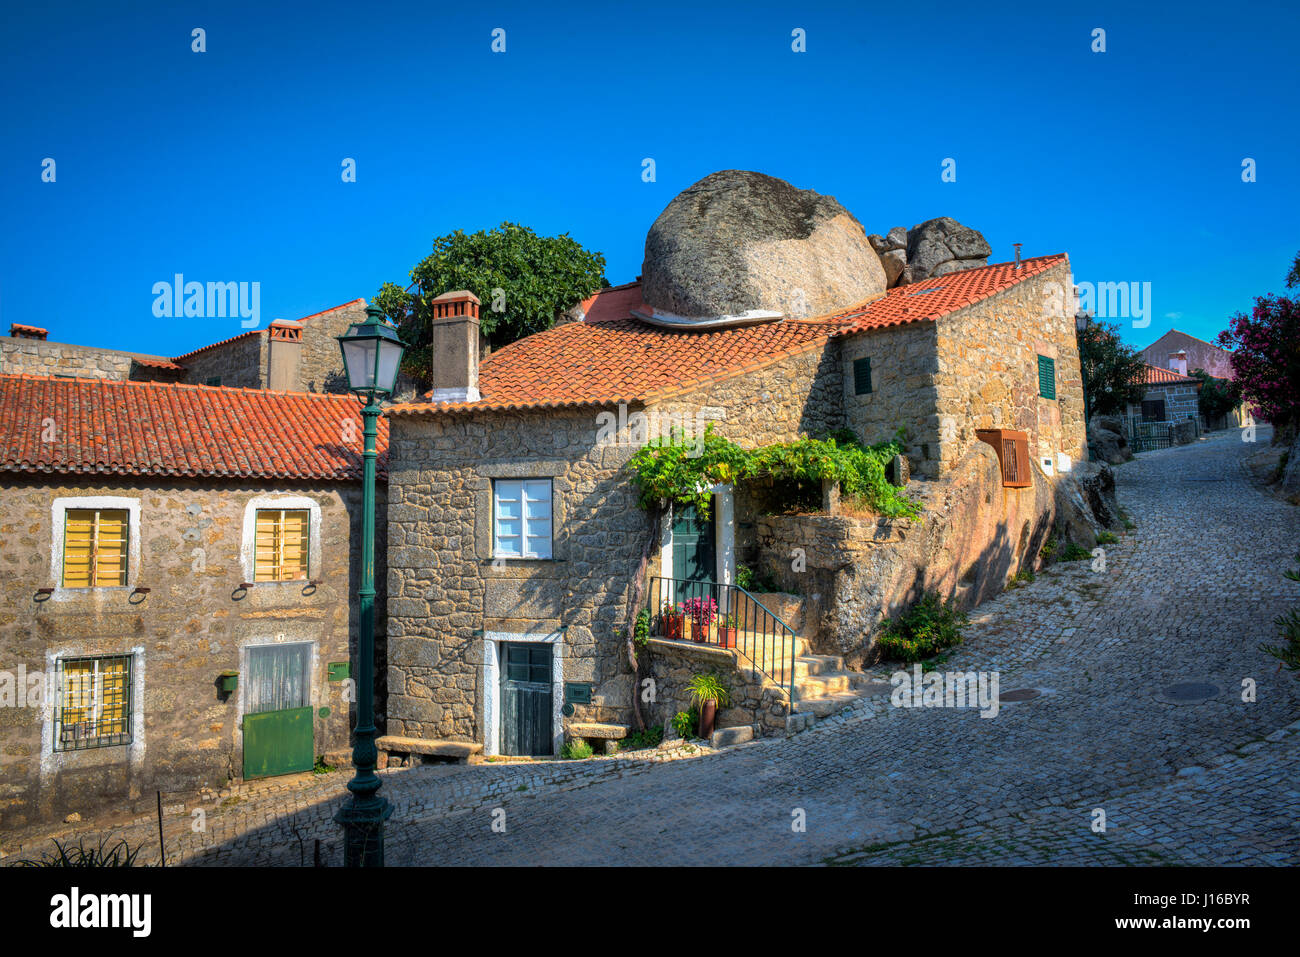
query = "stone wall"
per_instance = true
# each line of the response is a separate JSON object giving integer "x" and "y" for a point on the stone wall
{"x": 41, "y": 357}
{"x": 988, "y": 373}
{"x": 191, "y": 625}
{"x": 1181, "y": 400}
{"x": 320, "y": 368}
{"x": 973, "y": 536}
{"x": 239, "y": 363}
{"x": 755, "y": 701}
{"x": 904, "y": 366}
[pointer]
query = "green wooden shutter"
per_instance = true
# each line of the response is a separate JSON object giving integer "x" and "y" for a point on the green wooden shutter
{"x": 861, "y": 376}
{"x": 1046, "y": 377}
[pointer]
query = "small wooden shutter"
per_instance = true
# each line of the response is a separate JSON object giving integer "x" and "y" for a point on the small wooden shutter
{"x": 280, "y": 545}
{"x": 94, "y": 547}
{"x": 1046, "y": 377}
{"x": 861, "y": 376}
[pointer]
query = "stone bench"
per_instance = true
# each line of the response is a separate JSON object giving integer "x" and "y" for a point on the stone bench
{"x": 609, "y": 733}
{"x": 459, "y": 751}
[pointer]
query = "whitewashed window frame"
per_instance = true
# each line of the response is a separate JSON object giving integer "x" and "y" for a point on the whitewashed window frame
{"x": 544, "y": 488}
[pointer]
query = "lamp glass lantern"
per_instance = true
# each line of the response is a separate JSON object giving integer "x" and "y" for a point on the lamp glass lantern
{"x": 372, "y": 354}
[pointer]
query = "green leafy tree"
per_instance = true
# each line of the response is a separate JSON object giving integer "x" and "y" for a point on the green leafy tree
{"x": 523, "y": 280}
{"x": 1293, "y": 277}
{"x": 1114, "y": 372}
{"x": 1217, "y": 397}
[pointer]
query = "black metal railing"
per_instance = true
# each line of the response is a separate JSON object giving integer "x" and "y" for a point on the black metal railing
{"x": 725, "y": 616}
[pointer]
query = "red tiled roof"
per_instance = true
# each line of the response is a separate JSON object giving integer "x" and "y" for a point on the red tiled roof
{"x": 102, "y": 426}
{"x": 931, "y": 298}
{"x": 17, "y": 327}
{"x": 613, "y": 302}
{"x": 158, "y": 363}
{"x": 1154, "y": 375}
{"x": 609, "y": 359}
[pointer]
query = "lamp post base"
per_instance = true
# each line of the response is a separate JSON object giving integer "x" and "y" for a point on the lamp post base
{"x": 363, "y": 832}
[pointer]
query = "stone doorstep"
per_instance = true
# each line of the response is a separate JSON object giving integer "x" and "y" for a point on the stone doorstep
{"x": 458, "y": 750}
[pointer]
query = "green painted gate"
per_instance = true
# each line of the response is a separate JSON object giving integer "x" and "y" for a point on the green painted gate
{"x": 278, "y": 724}
{"x": 526, "y": 699}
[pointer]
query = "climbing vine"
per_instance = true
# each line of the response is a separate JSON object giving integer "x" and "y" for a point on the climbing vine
{"x": 675, "y": 470}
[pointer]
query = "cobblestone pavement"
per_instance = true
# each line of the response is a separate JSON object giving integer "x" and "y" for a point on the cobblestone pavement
{"x": 1187, "y": 596}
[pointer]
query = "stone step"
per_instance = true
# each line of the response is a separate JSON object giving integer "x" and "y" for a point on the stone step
{"x": 723, "y": 737}
{"x": 820, "y": 686}
{"x": 806, "y": 665}
{"x": 824, "y": 707}
{"x": 458, "y": 750}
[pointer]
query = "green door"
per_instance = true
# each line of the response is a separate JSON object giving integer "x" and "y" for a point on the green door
{"x": 526, "y": 699}
{"x": 693, "y": 555}
{"x": 277, "y": 724}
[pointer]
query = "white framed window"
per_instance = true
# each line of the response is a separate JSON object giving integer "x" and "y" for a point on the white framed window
{"x": 281, "y": 542}
{"x": 521, "y": 518}
{"x": 96, "y": 544}
{"x": 93, "y": 704}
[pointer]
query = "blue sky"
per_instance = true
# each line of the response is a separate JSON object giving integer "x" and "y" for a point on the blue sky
{"x": 225, "y": 165}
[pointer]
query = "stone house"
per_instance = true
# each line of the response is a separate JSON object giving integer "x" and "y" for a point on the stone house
{"x": 176, "y": 588}
{"x": 1196, "y": 353}
{"x": 298, "y": 356}
{"x": 514, "y": 530}
{"x": 1171, "y": 395}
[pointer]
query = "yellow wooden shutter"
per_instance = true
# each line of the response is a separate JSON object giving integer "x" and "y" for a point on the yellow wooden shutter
{"x": 78, "y": 691}
{"x": 94, "y": 547}
{"x": 265, "y": 546}
{"x": 110, "y": 548}
{"x": 281, "y": 545}
{"x": 114, "y": 675}
{"x": 293, "y": 545}
{"x": 78, "y": 539}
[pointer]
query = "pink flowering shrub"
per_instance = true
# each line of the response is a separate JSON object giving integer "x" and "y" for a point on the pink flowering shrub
{"x": 1266, "y": 358}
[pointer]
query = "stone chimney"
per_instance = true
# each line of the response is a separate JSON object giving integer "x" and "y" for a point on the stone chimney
{"x": 1178, "y": 362}
{"x": 19, "y": 331}
{"x": 284, "y": 356}
{"x": 455, "y": 347}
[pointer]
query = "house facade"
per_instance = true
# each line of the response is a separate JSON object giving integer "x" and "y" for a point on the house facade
{"x": 514, "y": 532}
{"x": 298, "y": 356}
{"x": 178, "y": 574}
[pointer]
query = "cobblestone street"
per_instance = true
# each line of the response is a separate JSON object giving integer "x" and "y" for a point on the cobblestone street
{"x": 1186, "y": 596}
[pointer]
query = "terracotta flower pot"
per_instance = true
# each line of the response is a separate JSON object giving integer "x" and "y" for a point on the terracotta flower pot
{"x": 727, "y": 636}
{"x": 708, "y": 714}
{"x": 673, "y": 627}
{"x": 697, "y": 632}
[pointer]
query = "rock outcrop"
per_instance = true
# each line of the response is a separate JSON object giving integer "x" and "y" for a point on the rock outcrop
{"x": 935, "y": 247}
{"x": 1107, "y": 441}
{"x": 740, "y": 243}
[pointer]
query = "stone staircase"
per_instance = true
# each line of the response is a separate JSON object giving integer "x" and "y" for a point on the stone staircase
{"x": 822, "y": 684}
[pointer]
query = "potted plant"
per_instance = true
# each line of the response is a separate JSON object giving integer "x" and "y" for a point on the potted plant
{"x": 700, "y": 612}
{"x": 708, "y": 694}
{"x": 673, "y": 622}
{"x": 728, "y": 630}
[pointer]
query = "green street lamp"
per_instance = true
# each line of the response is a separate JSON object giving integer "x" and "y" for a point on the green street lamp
{"x": 372, "y": 354}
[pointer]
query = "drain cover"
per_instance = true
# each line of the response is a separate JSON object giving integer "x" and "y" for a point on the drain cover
{"x": 1189, "y": 692}
{"x": 1020, "y": 694}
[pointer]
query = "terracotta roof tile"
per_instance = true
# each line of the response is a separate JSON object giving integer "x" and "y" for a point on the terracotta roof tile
{"x": 103, "y": 426}
{"x": 611, "y": 357}
{"x": 1154, "y": 375}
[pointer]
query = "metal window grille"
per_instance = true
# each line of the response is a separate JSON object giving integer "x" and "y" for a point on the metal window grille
{"x": 93, "y": 707}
